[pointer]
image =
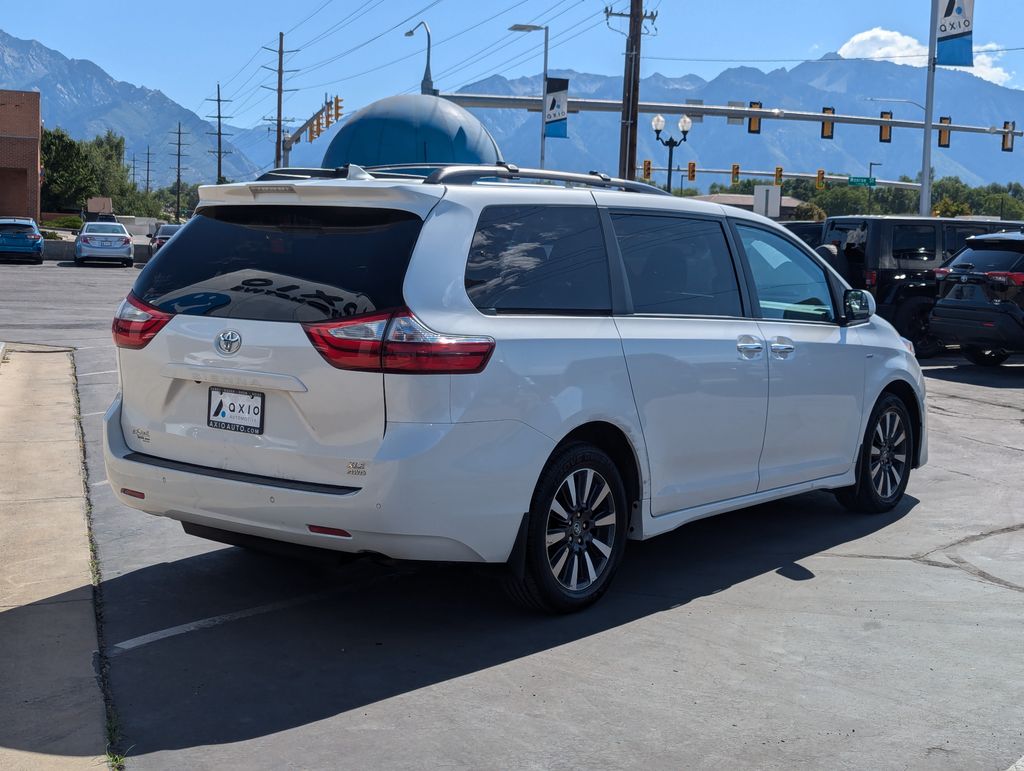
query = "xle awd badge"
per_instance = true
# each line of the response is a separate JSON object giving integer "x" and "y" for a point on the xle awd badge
{"x": 357, "y": 469}
{"x": 228, "y": 342}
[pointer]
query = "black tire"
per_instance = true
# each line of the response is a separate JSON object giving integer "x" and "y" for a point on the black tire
{"x": 596, "y": 522}
{"x": 985, "y": 357}
{"x": 128, "y": 263}
{"x": 912, "y": 322}
{"x": 880, "y": 484}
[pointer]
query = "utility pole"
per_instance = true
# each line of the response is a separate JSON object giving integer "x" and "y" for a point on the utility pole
{"x": 925, "y": 208}
{"x": 219, "y": 152}
{"x": 631, "y": 85}
{"x": 280, "y": 93}
{"x": 177, "y": 185}
{"x": 149, "y": 155}
{"x": 133, "y": 171}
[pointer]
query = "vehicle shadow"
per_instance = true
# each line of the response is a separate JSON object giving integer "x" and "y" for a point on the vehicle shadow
{"x": 365, "y": 632}
{"x": 90, "y": 264}
{"x": 1008, "y": 375}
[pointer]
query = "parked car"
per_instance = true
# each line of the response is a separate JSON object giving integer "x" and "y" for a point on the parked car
{"x": 981, "y": 299}
{"x": 810, "y": 231}
{"x": 160, "y": 237}
{"x": 529, "y": 374}
{"x": 104, "y": 242}
{"x": 20, "y": 239}
{"x": 895, "y": 257}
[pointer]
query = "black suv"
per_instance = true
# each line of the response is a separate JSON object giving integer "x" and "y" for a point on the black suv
{"x": 809, "y": 231}
{"x": 981, "y": 299}
{"x": 895, "y": 259}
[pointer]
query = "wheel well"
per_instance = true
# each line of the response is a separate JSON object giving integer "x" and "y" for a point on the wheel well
{"x": 905, "y": 393}
{"x": 613, "y": 441}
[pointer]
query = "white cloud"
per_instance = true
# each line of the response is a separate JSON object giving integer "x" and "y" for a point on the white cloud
{"x": 889, "y": 45}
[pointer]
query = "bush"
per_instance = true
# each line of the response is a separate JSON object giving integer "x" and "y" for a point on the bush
{"x": 71, "y": 222}
{"x": 51, "y": 235}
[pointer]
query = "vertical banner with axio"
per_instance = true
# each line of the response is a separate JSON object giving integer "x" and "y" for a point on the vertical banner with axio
{"x": 955, "y": 20}
{"x": 556, "y": 107}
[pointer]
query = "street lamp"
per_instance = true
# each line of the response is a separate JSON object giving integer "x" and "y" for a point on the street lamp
{"x": 871, "y": 169}
{"x": 427, "y": 86}
{"x": 544, "y": 81}
{"x": 658, "y": 124}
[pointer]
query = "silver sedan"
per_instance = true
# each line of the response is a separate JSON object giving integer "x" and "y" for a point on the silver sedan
{"x": 106, "y": 241}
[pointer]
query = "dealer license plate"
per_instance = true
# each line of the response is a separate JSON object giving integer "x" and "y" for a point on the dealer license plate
{"x": 235, "y": 410}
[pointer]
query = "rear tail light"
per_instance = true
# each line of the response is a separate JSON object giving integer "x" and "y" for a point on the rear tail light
{"x": 1002, "y": 277}
{"x": 941, "y": 272}
{"x": 397, "y": 342}
{"x": 136, "y": 323}
{"x": 86, "y": 240}
{"x": 127, "y": 240}
{"x": 35, "y": 237}
{"x": 870, "y": 277}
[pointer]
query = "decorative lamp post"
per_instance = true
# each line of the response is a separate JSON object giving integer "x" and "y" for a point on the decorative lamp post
{"x": 658, "y": 124}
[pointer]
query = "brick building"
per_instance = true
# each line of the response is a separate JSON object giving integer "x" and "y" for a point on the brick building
{"x": 20, "y": 137}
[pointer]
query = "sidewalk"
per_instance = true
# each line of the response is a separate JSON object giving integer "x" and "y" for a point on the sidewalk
{"x": 51, "y": 707}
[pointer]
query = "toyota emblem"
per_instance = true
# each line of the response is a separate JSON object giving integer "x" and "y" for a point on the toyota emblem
{"x": 228, "y": 342}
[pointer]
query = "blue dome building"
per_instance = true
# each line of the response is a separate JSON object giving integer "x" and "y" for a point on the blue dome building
{"x": 411, "y": 128}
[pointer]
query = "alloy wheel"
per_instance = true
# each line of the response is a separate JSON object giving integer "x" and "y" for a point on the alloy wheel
{"x": 888, "y": 453}
{"x": 580, "y": 529}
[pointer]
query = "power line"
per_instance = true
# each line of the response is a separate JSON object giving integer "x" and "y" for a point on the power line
{"x": 355, "y": 15}
{"x": 820, "y": 60}
{"x": 295, "y": 27}
{"x": 219, "y": 152}
{"x": 177, "y": 186}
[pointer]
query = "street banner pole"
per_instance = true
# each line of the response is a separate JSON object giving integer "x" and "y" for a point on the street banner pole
{"x": 925, "y": 208}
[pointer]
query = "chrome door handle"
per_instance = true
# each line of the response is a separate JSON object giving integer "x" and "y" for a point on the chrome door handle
{"x": 749, "y": 347}
{"x": 782, "y": 349}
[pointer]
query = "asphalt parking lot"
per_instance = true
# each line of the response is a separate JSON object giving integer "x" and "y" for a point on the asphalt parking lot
{"x": 789, "y": 635}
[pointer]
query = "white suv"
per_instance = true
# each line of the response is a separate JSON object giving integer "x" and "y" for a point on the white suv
{"x": 469, "y": 367}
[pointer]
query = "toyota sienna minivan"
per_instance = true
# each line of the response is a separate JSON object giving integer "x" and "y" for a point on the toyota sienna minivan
{"x": 496, "y": 365}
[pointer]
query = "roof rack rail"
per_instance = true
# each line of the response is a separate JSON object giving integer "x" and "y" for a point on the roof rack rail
{"x": 467, "y": 175}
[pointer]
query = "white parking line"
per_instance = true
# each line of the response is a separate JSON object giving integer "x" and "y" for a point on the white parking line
{"x": 1018, "y": 766}
{"x": 104, "y": 372}
{"x": 206, "y": 623}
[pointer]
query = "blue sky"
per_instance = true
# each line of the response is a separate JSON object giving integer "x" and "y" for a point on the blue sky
{"x": 349, "y": 47}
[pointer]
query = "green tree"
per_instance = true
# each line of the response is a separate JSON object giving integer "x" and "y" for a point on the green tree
{"x": 809, "y": 210}
{"x": 843, "y": 200}
{"x": 947, "y": 207}
{"x": 70, "y": 177}
{"x": 1001, "y": 205}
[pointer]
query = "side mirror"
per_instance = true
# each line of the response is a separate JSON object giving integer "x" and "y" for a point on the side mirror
{"x": 75, "y": 232}
{"x": 149, "y": 235}
{"x": 859, "y": 305}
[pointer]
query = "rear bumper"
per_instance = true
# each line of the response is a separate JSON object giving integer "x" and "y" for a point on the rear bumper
{"x": 100, "y": 253}
{"x": 21, "y": 252}
{"x": 444, "y": 492}
{"x": 978, "y": 327}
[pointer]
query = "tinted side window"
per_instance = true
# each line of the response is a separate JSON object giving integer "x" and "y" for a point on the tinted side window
{"x": 956, "y": 237}
{"x": 913, "y": 242}
{"x": 539, "y": 259}
{"x": 790, "y": 285}
{"x": 283, "y": 263}
{"x": 677, "y": 265}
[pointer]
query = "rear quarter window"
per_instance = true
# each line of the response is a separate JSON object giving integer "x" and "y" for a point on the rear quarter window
{"x": 283, "y": 263}
{"x": 539, "y": 259}
{"x": 987, "y": 259}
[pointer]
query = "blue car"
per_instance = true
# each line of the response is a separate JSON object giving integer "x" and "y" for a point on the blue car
{"x": 20, "y": 239}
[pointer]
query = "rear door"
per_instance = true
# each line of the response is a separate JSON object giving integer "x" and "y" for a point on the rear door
{"x": 16, "y": 235}
{"x": 233, "y": 381}
{"x": 696, "y": 363}
{"x": 816, "y": 367}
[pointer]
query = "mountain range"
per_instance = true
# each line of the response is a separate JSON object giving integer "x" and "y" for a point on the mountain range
{"x": 80, "y": 97}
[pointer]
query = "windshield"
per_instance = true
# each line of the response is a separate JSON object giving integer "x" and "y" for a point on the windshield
{"x": 982, "y": 258}
{"x": 283, "y": 263}
{"x": 106, "y": 229}
{"x": 15, "y": 227}
{"x": 166, "y": 231}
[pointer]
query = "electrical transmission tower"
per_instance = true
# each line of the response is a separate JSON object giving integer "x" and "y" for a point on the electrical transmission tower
{"x": 177, "y": 185}
{"x": 149, "y": 156}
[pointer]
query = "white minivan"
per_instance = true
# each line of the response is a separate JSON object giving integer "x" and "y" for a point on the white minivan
{"x": 496, "y": 365}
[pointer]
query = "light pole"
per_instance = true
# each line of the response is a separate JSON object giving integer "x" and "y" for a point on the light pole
{"x": 658, "y": 124}
{"x": 925, "y": 207}
{"x": 871, "y": 169}
{"x": 544, "y": 81}
{"x": 427, "y": 86}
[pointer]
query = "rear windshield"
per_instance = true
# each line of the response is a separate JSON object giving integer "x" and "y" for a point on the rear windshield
{"x": 115, "y": 229}
{"x": 166, "y": 230}
{"x": 980, "y": 258}
{"x": 283, "y": 263}
{"x": 849, "y": 237}
{"x": 16, "y": 227}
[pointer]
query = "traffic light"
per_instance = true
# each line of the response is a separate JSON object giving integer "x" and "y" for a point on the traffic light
{"x": 828, "y": 128}
{"x": 735, "y": 173}
{"x": 945, "y": 120}
{"x": 691, "y": 171}
{"x": 885, "y": 131}
{"x": 327, "y": 116}
{"x": 753, "y": 123}
{"x": 647, "y": 168}
{"x": 309, "y": 134}
{"x": 819, "y": 182}
{"x": 337, "y": 107}
{"x": 1008, "y": 127}
{"x": 778, "y": 175}
{"x": 318, "y": 126}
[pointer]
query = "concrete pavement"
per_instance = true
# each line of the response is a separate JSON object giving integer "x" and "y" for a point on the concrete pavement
{"x": 50, "y": 694}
